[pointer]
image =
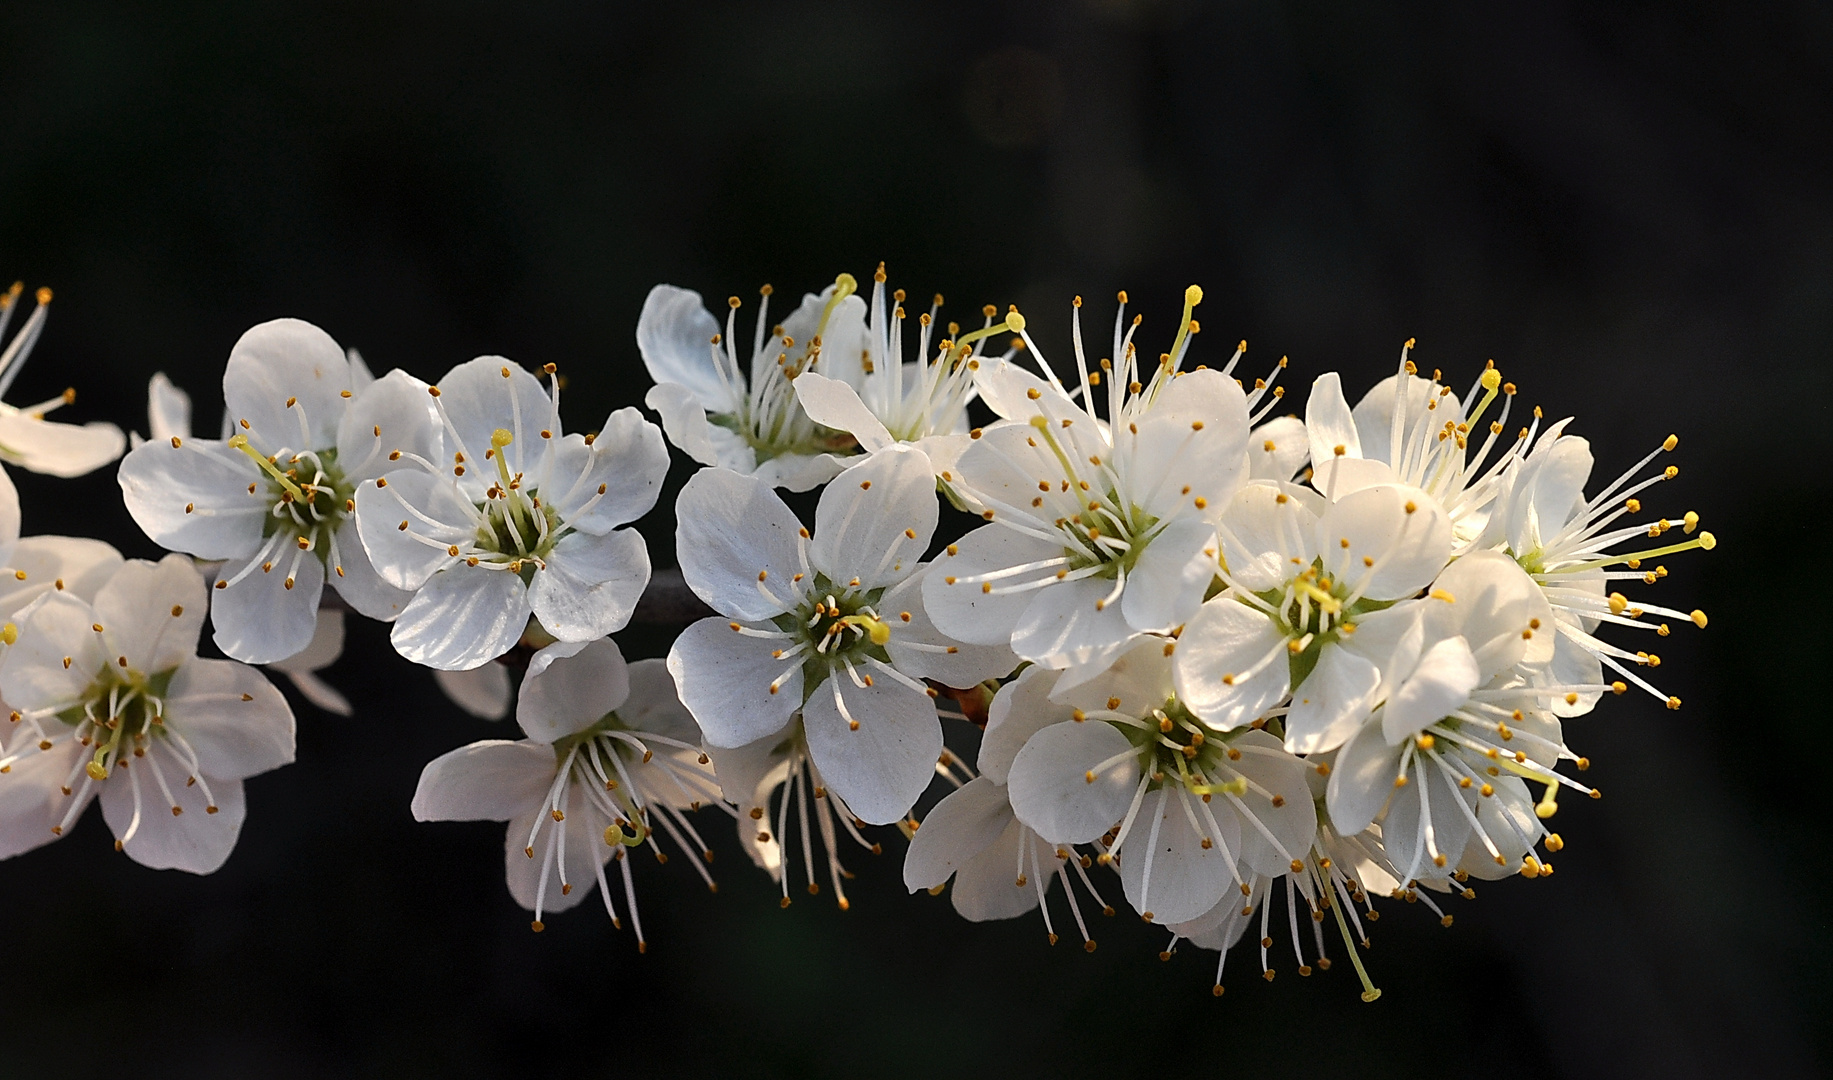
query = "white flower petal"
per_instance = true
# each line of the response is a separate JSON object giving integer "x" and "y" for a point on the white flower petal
{"x": 35, "y": 675}
{"x": 1139, "y": 680}
{"x": 1374, "y": 414}
{"x": 832, "y": 403}
{"x": 733, "y": 536}
{"x": 392, "y": 413}
{"x": 1391, "y": 552}
{"x": 232, "y": 716}
{"x": 1493, "y": 604}
{"x": 280, "y": 361}
{"x": 80, "y": 564}
{"x": 258, "y": 619}
{"x": 961, "y": 826}
{"x": 902, "y": 607}
{"x": 571, "y": 693}
{"x": 1166, "y": 585}
{"x": 434, "y": 510}
{"x": 356, "y": 579}
{"x": 655, "y": 706}
{"x": 1551, "y": 484}
{"x": 724, "y": 679}
{"x": 493, "y": 780}
{"x": 674, "y": 334}
{"x": 1332, "y": 701}
{"x": 462, "y": 618}
{"x": 1219, "y": 668}
{"x": 987, "y": 888}
{"x": 196, "y": 841}
{"x": 479, "y": 399}
{"x": 1266, "y": 536}
{"x": 152, "y": 613}
{"x": 799, "y": 472}
{"x": 1191, "y": 445}
{"x": 747, "y": 774}
{"x": 591, "y": 584}
{"x": 168, "y": 409}
{"x": 320, "y": 693}
{"x": 31, "y": 799}
{"x": 1361, "y": 780}
{"x": 326, "y": 646}
{"x": 1329, "y": 423}
{"x": 192, "y": 498}
{"x": 1277, "y": 449}
{"x": 613, "y": 480}
{"x": 1446, "y": 675}
{"x": 1020, "y": 710}
{"x": 684, "y": 422}
{"x": 1293, "y": 822}
{"x": 1181, "y": 879}
{"x": 883, "y": 508}
{"x": 969, "y": 613}
{"x": 880, "y": 768}
{"x": 45, "y": 446}
{"x": 1063, "y": 626}
{"x": 1402, "y": 832}
{"x": 586, "y": 850}
{"x": 1049, "y": 786}
{"x": 482, "y": 691}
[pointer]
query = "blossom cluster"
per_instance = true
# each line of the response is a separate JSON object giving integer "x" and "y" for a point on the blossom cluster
{"x": 1210, "y": 654}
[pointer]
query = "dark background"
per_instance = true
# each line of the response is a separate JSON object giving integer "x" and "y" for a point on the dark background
{"x": 1628, "y": 206}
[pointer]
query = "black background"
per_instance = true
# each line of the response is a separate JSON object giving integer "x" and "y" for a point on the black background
{"x": 1628, "y": 206}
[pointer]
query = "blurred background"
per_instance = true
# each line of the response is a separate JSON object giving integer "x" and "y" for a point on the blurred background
{"x": 1628, "y": 206}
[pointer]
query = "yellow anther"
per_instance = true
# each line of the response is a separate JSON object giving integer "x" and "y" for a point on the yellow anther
{"x": 1670, "y": 442}
{"x": 1689, "y": 523}
{"x": 1699, "y": 618}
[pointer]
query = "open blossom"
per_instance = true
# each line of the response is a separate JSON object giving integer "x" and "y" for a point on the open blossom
{"x": 111, "y": 701}
{"x": 273, "y": 499}
{"x": 823, "y": 623}
{"x": 510, "y": 517}
{"x": 27, "y": 439}
{"x": 610, "y": 757}
{"x": 922, "y": 402}
{"x": 1304, "y": 580}
{"x": 751, "y": 423}
{"x": 1100, "y": 530}
{"x": 1186, "y": 814}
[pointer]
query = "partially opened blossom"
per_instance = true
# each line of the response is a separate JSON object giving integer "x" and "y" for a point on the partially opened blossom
{"x": 1414, "y": 431}
{"x": 1305, "y": 581}
{"x": 1099, "y": 530}
{"x": 512, "y": 517}
{"x": 273, "y": 500}
{"x": 27, "y": 439}
{"x": 609, "y": 758}
{"x": 1572, "y": 547}
{"x": 744, "y": 415}
{"x": 111, "y": 701}
{"x": 826, "y": 624}
{"x": 922, "y": 402}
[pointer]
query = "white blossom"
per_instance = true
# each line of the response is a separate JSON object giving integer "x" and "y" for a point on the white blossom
{"x": 609, "y": 757}
{"x": 110, "y": 701}
{"x": 827, "y": 624}
{"x": 511, "y": 517}
{"x": 1100, "y": 530}
{"x": 273, "y": 500}
{"x": 1304, "y": 580}
{"x": 752, "y": 424}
